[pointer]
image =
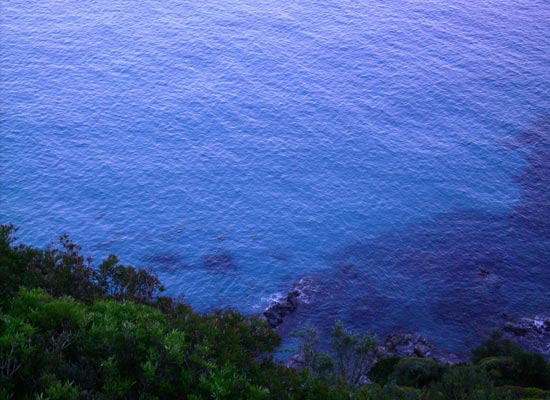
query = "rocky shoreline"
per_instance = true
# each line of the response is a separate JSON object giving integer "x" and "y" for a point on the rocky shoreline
{"x": 531, "y": 333}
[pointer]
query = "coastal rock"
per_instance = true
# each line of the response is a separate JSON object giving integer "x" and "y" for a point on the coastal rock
{"x": 406, "y": 345}
{"x": 516, "y": 329}
{"x": 531, "y": 333}
{"x": 415, "y": 345}
{"x": 297, "y": 361}
{"x": 277, "y": 311}
{"x": 363, "y": 381}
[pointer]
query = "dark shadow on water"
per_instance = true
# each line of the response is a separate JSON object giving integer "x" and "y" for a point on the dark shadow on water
{"x": 166, "y": 262}
{"x": 534, "y": 182}
{"x": 163, "y": 259}
{"x": 219, "y": 263}
{"x": 449, "y": 278}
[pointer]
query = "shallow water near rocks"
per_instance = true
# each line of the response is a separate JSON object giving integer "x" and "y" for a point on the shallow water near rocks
{"x": 389, "y": 150}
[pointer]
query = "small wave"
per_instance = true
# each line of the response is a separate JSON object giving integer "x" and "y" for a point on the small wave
{"x": 307, "y": 288}
{"x": 272, "y": 298}
{"x": 304, "y": 286}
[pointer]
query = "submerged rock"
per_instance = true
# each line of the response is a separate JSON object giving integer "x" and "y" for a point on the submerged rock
{"x": 484, "y": 272}
{"x": 219, "y": 263}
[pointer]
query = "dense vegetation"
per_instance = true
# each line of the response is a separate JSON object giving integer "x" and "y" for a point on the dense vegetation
{"x": 72, "y": 330}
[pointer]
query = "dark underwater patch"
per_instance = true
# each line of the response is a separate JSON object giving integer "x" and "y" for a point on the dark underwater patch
{"x": 462, "y": 271}
{"x": 219, "y": 263}
{"x": 163, "y": 258}
{"x": 166, "y": 262}
{"x": 534, "y": 182}
{"x": 537, "y": 135}
{"x": 173, "y": 234}
{"x": 534, "y": 209}
{"x": 280, "y": 256}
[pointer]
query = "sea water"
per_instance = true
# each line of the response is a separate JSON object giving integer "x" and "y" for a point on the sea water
{"x": 389, "y": 150}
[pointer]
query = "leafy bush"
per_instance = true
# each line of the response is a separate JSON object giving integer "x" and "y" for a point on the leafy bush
{"x": 465, "y": 383}
{"x": 16, "y": 348}
{"x": 62, "y": 271}
{"x": 530, "y": 370}
{"x": 388, "y": 392}
{"x": 383, "y": 369}
{"x": 525, "y": 393}
{"x": 69, "y": 330}
{"x": 495, "y": 346}
{"x": 355, "y": 354}
{"x": 509, "y": 364}
{"x": 351, "y": 357}
{"x": 416, "y": 372}
{"x": 499, "y": 369}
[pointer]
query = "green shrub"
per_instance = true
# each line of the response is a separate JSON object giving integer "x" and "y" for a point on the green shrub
{"x": 465, "y": 383}
{"x": 16, "y": 348}
{"x": 508, "y": 364}
{"x": 57, "y": 390}
{"x": 354, "y": 353}
{"x": 530, "y": 369}
{"x": 382, "y": 370}
{"x": 495, "y": 346}
{"x": 525, "y": 393}
{"x": 416, "y": 372}
{"x": 388, "y": 392}
{"x": 70, "y": 331}
{"x": 499, "y": 369}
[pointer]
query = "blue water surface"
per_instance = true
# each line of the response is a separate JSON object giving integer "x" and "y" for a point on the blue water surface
{"x": 388, "y": 149}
